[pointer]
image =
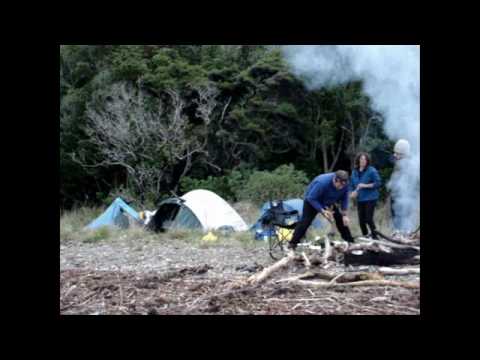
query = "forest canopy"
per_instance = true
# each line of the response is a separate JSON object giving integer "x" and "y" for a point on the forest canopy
{"x": 151, "y": 119}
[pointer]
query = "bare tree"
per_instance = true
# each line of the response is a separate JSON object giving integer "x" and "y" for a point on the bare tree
{"x": 323, "y": 135}
{"x": 360, "y": 134}
{"x": 132, "y": 130}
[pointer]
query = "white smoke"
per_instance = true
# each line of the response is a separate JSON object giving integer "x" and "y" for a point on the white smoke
{"x": 391, "y": 78}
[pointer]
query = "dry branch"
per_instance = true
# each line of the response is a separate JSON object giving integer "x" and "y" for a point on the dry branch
{"x": 385, "y": 243}
{"x": 267, "y": 272}
{"x": 328, "y": 250}
{"x": 412, "y": 240}
{"x": 391, "y": 271}
{"x": 318, "y": 284}
{"x": 308, "y": 264}
{"x": 307, "y": 275}
{"x": 343, "y": 277}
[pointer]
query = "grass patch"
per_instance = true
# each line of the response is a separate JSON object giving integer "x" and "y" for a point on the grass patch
{"x": 95, "y": 236}
{"x": 194, "y": 238}
{"x": 72, "y": 223}
{"x": 72, "y": 228}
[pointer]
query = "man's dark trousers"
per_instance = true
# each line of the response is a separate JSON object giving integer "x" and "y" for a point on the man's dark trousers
{"x": 309, "y": 213}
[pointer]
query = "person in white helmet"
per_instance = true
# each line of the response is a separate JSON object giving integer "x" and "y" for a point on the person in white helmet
{"x": 401, "y": 151}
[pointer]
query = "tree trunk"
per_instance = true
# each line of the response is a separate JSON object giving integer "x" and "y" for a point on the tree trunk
{"x": 338, "y": 152}
{"x": 325, "y": 156}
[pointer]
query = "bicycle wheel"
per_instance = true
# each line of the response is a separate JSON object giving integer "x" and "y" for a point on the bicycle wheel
{"x": 275, "y": 247}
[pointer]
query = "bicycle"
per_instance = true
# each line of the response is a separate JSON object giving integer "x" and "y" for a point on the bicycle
{"x": 274, "y": 222}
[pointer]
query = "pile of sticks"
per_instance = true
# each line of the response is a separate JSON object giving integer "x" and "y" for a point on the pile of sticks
{"x": 364, "y": 252}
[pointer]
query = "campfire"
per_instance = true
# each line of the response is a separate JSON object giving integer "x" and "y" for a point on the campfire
{"x": 318, "y": 263}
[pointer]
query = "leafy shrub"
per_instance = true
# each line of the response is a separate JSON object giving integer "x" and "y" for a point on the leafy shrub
{"x": 217, "y": 184}
{"x": 283, "y": 182}
{"x": 226, "y": 186}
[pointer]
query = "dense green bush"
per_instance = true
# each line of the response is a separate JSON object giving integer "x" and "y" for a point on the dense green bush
{"x": 284, "y": 182}
{"x": 256, "y": 186}
{"x": 226, "y": 186}
{"x": 217, "y": 184}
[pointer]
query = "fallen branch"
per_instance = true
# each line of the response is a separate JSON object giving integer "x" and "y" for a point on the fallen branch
{"x": 307, "y": 275}
{"x": 344, "y": 277}
{"x": 391, "y": 271}
{"x": 402, "y": 241}
{"x": 336, "y": 278}
{"x": 318, "y": 284}
{"x": 308, "y": 264}
{"x": 68, "y": 292}
{"x": 328, "y": 250}
{"x": 267, "y": 272}
{"x": 389, "y": 244}
{"x": 312, "y": 247}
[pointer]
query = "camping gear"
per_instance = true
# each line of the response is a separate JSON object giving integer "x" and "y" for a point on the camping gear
{"x": 210, "y": 237}
{"x": 288, "y": 205}
{"x": 146, "y": 216}
{"x": 117, "y": 214}
{"x": 197, "y": 209}
{"x": 277, "y": 225}
{"x": 285, "y": 233}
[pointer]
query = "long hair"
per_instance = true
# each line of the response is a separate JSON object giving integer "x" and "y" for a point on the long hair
{"x": 357, "y": 160}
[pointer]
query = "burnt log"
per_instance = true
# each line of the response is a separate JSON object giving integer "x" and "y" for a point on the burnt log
{"x": 381, "y": 256}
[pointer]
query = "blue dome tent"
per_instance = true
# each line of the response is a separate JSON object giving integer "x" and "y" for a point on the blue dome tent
{"x": 115, "y": 215}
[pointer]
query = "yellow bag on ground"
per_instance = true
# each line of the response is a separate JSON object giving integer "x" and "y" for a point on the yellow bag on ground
{"x": 210, "y": 237}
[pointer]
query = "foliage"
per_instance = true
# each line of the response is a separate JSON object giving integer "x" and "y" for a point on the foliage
{"x": 284, "y": 182}
{"x": 261, "y": 117}
{"x": 227, "y": 186}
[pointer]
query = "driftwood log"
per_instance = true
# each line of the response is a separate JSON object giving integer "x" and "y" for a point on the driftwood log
{"x": 381, "y": 253}
{"x": 390, "y": 271}
{"x": 318, "y": 284}
{"x": 364, "y": 252}
{"x": 268, "y": 271}
{"x": 343, "y": 277}
{"x": 413, "y": 239}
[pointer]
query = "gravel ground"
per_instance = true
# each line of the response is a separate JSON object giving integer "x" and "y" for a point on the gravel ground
{"x": 125, "y": 276}
{"x": 139, "y": 256}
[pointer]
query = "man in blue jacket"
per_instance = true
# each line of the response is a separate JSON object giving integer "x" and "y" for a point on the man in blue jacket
{"x": 322, "y": 195}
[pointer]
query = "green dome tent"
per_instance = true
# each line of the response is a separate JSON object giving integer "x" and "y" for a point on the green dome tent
{"x": 197, "y": 209}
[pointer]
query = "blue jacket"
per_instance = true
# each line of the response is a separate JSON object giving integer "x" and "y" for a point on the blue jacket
{"x": 367, "y": 176}
{"x": 321, "y": 193}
